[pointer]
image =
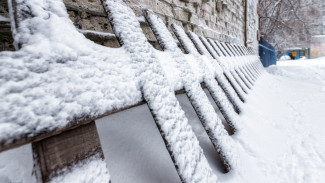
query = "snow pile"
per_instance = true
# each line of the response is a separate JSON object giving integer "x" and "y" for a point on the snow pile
{"x": 91, "y": 170}
{"x": 58, "y": 75}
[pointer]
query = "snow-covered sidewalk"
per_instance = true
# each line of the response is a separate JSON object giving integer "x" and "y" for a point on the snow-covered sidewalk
{"x": 282, "y": 139}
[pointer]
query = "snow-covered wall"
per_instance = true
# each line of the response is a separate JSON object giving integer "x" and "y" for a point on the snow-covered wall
{"x": 223, "y": 20}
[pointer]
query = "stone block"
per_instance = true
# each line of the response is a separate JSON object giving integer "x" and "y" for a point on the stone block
{"x": 194, "y": 19}
{"x": 137, "y": 10}
{"x": 4, "y": 9}
{"x": 219, "y": 6}
{"x": 149, "y": 4}
{"x": 191, "y": 7}
{"x": 85, "y": 5}
{"x": 95, "y": 23}
{"x": 170, "y": 21}
{"x": 163, "y": 18}
{"x": 205, "y": 15}
{"x": 187, "y": 27}
{"x": 197, "y": 30}
{"x": 181, "y": 14}
{"x": 178, "y": 3}
{"x": 206, "y": 7}
{"x": 164, "y": 8}
{"x": 108, "y": 41}
{"x": 6, "y": 40}
{"x": 137, "y": 2}
{"x": 202, "y": 22}
{"x": 73, "y": 16}
{"x": 148, "y": 32}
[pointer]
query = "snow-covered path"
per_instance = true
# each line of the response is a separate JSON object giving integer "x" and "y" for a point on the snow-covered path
{"x": 284, "y": 124}
{"x": 282, "y": 139}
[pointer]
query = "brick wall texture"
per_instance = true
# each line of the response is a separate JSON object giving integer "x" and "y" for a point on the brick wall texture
{"x": 223, "y": 20}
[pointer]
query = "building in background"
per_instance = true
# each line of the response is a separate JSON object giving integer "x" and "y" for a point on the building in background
{"x": 317, "y": 46}
{"x": 317, "y": 42}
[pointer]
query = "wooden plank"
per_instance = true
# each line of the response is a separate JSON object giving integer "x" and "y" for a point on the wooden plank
{"x": 28, "y": 138}
{"x": 64, "y": 150}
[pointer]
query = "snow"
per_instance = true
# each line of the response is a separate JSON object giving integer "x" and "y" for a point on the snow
{"x": 228, "y": 68}
{"x": 93, "y": 170}
{"x": 17, "y": 160}
{"x": 59, "y": 75}
{"x": 210, "y": 68}
{"x": 282, "y": 139}
{"x": 180, "y": 140}
{"x": 103, "y": 34}
{"x": 319, "y": 36}
{"x": 4, "y": 19}
{"x": 285, "y": 57}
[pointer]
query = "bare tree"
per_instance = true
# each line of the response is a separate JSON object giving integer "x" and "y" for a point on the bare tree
{"x": 288, "y": 23}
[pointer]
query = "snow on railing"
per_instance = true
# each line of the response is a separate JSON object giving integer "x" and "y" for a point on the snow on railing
{"x": 165, "y": 108}
{"x": 216, "y": 92}
{"x": 240, "y": 67}
{"x": 237, "y": 65}
{"x": 59, "y": 80}
{"x": 197, "y": 97}
{"x": 228, "y": 70}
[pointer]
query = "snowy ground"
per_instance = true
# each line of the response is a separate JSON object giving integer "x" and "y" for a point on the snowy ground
{"x": 282, "y": 138}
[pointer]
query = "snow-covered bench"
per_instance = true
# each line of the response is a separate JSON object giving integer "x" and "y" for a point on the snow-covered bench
{"x": 59, "y": 82}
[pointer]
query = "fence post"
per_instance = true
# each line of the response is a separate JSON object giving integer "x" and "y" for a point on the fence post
{"x": 60, "y": 152}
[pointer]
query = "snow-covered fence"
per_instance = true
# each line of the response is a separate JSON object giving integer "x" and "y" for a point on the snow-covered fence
{"x": 58, "y": 83}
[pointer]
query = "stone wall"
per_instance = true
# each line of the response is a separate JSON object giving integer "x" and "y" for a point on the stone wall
{"x": 6, "y": 40}
{"x": 223, "y": 20}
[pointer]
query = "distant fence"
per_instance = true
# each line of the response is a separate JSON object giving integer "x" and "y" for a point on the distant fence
{"x": 267, "y": 53}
